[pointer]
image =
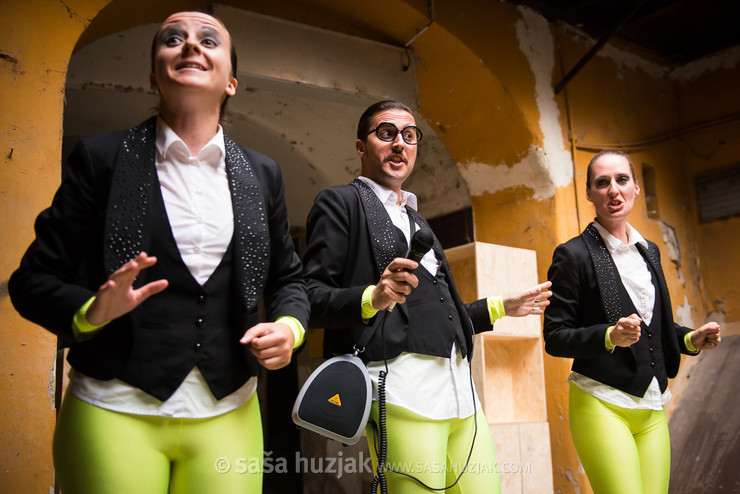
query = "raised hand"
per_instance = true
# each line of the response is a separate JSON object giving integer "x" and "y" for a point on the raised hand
{"x": 706, "y": 337}
{"x": 528, "y": 302}
{"x": 117, "y": 295}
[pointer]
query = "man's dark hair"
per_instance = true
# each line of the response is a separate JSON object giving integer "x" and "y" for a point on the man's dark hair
{"x": 363, "y": 128}
{"x": 155, "y": 42}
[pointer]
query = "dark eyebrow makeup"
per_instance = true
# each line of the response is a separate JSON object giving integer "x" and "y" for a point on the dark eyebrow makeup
{"x": 171, "y": 30}
{"x": 179, "y": 30}
{"x": 211, "y": 32}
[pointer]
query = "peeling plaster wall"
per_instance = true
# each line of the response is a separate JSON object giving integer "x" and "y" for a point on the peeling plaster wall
{"x": 707, "y": 94}
{"x": 531, "y": 173}
{"x": 543, "y": 168}
{"x": 727, "y": 60}
{"x": 537, "y": 43}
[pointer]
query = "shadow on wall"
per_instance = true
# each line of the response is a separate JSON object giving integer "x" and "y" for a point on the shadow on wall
{"x": 705, "y": 437}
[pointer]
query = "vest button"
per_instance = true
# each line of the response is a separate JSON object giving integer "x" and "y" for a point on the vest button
{"x": 442, "y": 299}
{"x": 650, "y": 335}
{"x": 197, "y": 346}
{"x": 449, "y": 317}
{"x": 651, "y": 349}
{"x": 199, "y": 322}
{"x": 434, "y": 282}
{"x": 201, "y": 299}
{"x": 652, "y": 364}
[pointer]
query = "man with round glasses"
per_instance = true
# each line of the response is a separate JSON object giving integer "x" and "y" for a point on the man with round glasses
{"x": 356, "y": 270}
{"x": 386, "y": 131}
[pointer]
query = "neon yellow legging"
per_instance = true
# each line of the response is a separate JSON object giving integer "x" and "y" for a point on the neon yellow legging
{"x": 623, "y": 451}
{"x": 97, "y": 451}
{"x": 435, "y": 451}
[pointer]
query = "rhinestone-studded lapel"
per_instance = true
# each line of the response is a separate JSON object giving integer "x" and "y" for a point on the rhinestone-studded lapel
{"x": 251, "y": 236}
{"x": 125, "y": 232}
{"x": 383, "y": 234}
{"x": 607, "y": 276}
{"x": 127, "y": 226}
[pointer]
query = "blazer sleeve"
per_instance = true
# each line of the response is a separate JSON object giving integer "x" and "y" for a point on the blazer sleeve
{"x": 331, "y": 263}
{"x": 285, "y": 289}
{"x": 681, "y": 331}
{"x": 574, "y": 324}
{"x": 479, "y": 315}
{"x": 45, "y": 288}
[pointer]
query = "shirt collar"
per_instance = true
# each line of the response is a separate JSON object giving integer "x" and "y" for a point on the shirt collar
{"x": 613, "y": 243}
{"x": 168, "y": 141}
{"x": 386, "y": 195}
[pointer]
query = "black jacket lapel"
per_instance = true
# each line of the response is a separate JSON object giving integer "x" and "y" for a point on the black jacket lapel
{"x": 126, "y": 231}
{"x": 383, "y": 236}
{"x": 251, "y": 236}
{"x": 607, "y": 276}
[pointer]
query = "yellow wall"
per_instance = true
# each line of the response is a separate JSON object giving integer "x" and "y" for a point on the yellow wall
{"x": 709, "y": 98}
{"x": 36, "y": 41}
{"x": 478, "y": 87}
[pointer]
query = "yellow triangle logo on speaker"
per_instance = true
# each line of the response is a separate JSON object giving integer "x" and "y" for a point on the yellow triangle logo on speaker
{"x": 335, "y": 400}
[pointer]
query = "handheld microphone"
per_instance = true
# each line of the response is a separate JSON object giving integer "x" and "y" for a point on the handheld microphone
{"x": 421, "y": 242}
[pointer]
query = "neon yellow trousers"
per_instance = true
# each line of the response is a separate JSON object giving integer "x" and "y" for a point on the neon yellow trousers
{"x": 623, "y": 451}
{"x": 97, "y": 451}
{"x": 435, "y": 451}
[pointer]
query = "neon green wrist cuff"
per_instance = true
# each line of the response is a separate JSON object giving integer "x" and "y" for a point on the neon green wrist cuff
{"x": 368, "y": 311}
{"x": 496, "y": 308}
{"x": 79, "y": 321}
{"x": 687, "y": 341}
{"x": 608, "y": 341}
{"x": 299, "y": 332}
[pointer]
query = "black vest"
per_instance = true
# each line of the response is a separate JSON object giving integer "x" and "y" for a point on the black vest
{"x": 427, "y": 324}
{"x": 648, "y": 351}
{"x": 187, "y": 325}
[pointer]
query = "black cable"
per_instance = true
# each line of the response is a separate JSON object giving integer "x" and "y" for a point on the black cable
{"x": 380, "y": 433}
{"x": 383, "y": 453}
{"x": 381, "y": 429}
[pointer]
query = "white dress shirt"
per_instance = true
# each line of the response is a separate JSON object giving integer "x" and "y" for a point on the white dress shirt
{"x": 636, "y": 279}
{"x": 433, "y": 387}
{"x": 197, "y": 199}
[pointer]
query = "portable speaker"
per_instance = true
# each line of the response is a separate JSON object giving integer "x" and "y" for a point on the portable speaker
{"x": 335, "y": 400}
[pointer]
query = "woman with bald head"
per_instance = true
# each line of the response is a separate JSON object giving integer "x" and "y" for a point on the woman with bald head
{"x": 149, "y": 265}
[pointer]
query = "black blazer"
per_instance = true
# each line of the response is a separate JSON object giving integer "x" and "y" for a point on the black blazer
{"x": 583, "y": 276}
{"x": 342, "y": 259}
{"x": 99, "y": 219}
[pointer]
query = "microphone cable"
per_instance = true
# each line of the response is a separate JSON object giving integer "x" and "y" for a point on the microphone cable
{"x": 380, "y": 432}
